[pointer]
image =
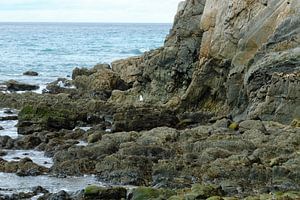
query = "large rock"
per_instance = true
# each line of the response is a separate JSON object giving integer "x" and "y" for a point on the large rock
{"x": 61, "y": 85}
{"x": 101, "y": 193}
{"x": 37, "y": 118}
{"x": 24, "y": 167}
{"x": 258, "y": 42}
{"x": 15, "y": 86}
{"x": 99, "y": 81}
{"x": 30, "y": 73}
{"x": 144, "y": 118}
{"x": 168, "y": 70}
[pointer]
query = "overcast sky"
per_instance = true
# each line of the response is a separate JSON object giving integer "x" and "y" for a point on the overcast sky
{"x": 88, "y": 10}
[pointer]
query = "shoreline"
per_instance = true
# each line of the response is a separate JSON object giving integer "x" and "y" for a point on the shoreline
{"x": 207, "y": 116}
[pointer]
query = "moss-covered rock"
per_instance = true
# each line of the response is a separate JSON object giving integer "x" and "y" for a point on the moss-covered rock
{"x": 40, "y": 117}
{"x": 234, "y": 126}
{"x": 200, "y": 191}
{"x": 102, "y": 193}
{"x": 143, "y": 193}
{"x": 95, "y": 137}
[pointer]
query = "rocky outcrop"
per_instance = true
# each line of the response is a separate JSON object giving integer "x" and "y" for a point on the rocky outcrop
{"x": 161, "y": 73}
{"x": 42, "y": 117}
{"x": 25, "y": 167}
{"x": 14, "y": 86}
{"x": 136, "y": 118}
{"x": 260, "y": 40}
{"x": 212, "y": 113}
{"x": 98, "y": 82}
{"x": 238, "y": 57}
{"x": 251, "y": 156}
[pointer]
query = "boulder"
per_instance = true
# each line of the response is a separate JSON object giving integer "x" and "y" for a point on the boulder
{"x": 94, "y": 192}
{"x": 15, "y": 86}
{"x": 61, "y": 85}
{"x": 24, "y": 167}
{"x": 150, "y": 193}
{"x": 30, "y": 73}
{"x": 9, "y": 118}
{"x": 143, "y": 118}
{"x": 36, "y": 118}
{"x": 100, "y": 81}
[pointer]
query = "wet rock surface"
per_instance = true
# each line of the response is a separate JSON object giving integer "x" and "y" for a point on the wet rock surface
{"x": 30, "y": 73}
{"x": 14, "y": 86}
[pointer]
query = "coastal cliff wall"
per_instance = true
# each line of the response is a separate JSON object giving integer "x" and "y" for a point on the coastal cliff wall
{"x": 235, "y": 56}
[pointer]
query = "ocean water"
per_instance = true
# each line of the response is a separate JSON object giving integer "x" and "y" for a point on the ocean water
{"x": 54, "y": 49}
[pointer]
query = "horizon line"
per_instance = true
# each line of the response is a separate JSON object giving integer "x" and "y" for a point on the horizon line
{"x": 90, "y": 22}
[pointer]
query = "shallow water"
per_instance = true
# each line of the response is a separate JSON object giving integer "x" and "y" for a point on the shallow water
{"x": 11, "y": 183}
{"x": 9, "y": 126}
{"x": 36, "y": 156}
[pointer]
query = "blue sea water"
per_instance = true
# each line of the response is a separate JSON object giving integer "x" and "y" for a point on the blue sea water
{"x": 54, "y": 49}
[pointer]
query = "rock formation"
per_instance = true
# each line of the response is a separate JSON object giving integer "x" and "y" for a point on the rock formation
{"x": 214, "y": 112}
{"x": 234, "y": 56}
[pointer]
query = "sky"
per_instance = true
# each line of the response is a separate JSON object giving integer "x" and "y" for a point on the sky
{"x": 140, "y": 11}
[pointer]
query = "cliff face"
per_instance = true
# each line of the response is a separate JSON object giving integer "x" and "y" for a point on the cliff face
{"x": 234, "y": 56}
{"x": 260, "y": 42}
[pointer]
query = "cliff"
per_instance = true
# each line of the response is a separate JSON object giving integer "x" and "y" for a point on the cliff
{"x": 234, "y": 56}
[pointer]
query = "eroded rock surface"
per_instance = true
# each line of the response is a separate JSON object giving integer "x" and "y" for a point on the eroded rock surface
{"x": 239, "y": 57}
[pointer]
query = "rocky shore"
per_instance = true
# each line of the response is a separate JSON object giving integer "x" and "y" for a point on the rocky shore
{"x": 213, "y": 114}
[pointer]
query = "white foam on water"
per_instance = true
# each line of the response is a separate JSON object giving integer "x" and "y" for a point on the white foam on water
{"x": 36, "y": 156}
{"x": 82, "y": 143}
{"x": 11, "y": 183}
{"x": 85, "y": 128}
{"x": 9, "y": 126}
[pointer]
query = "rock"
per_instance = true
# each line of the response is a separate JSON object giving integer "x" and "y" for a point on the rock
{"x": 150, "y": 193}
{"x": 134, "y": 119}
{"x": 251, "y": 72}
{"x": 295, "y": 123}
{"x": 129, "y": 69}
{"x": 42, "y": 117}
{"x": 99, "y": 81}
{"x": 87, "y": 72}
{"x": 3, "y": 153}
{"x": 187, "y": 119}
{"x": 9, "y": 118}
{"x": 95, "y": 137}
{"x": 61, "y": 85}
{"x": 252, "y": 124}
{"x": 24, "y": 167}
{"x": 62, "y": 195}
{"x": 27, "y": 142}
{"x": 102, "y": 193}
{"x": 1, "y": 128}
{"x": 15, "y": 86}
{"x": 39, "y": 189}
{"x": 30, "y": 73}
{"x": 8, "y": 111}
{"x": 204, "y": 191}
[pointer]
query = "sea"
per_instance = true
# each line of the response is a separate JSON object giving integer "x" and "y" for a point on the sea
{"x": 55, "y": 49}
